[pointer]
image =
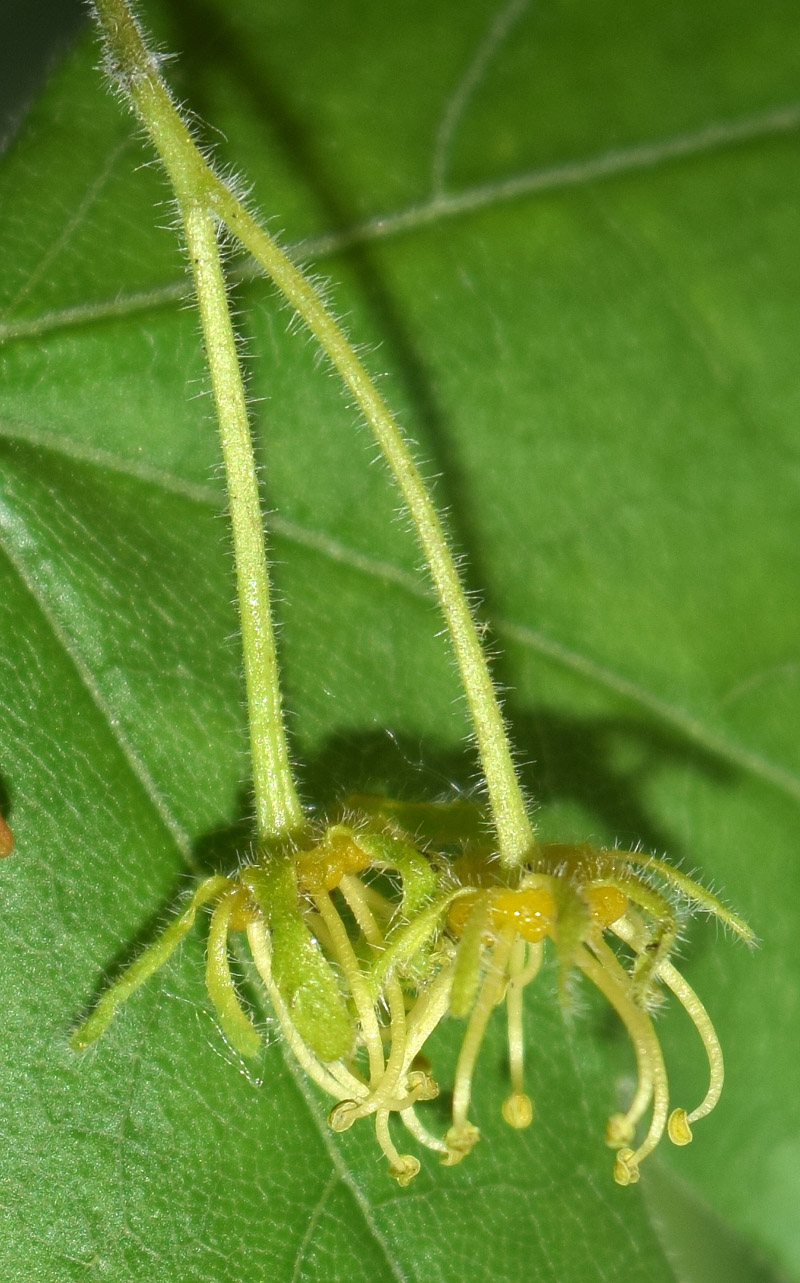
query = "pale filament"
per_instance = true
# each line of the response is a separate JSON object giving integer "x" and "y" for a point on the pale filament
{"x": 523, "y": 966}
{"x": 347, "y": 960}
{"x": 352, "y": 889}
{"x": 427, "y": 1012}
{"x": 606, "y": 973}
{"x": 491, "y": 992}
{"x": 330, "y": 1078}
{"x": 633, "y": 934}
{"x": 421, "y": 1133}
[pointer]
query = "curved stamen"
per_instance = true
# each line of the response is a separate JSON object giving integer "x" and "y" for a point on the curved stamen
{"x": 679, "y": 1123}
{"x": 322, "y": 1075}
{"x": 351, "y": 889}
{"x": 354, "y": 893}
{"x": 345, "y": 956}
{"x": 523, "y": 966}
{"x": 403, "y": 1167}
{"x": 606, "y": 973}
{"x": 421, "y": 1133}
{"x": 661, "y": 941}
{"x": 462, "y": 1135}
{"x": 428, "y": 1010}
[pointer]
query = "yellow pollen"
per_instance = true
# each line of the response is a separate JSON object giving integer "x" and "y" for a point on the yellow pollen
{"x": 461, "y": 912}
{"x": 531, "y": 912}
{"x": 323, "y": 869}
{"x": 606, "y": 904}
{"x": 518, "y": 1110}
{"x": 678, "y": 1129}
{"x": 626, "y": 1170}
{"x": 343, "y": 1115}
{"x": 460, "y": 1140}
{"x": 404, "y": 1169}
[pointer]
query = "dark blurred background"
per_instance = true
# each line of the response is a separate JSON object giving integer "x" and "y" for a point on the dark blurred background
{"x": 33, "y": 34}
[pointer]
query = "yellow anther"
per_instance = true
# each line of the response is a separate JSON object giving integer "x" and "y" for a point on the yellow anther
{"x": 532, "y": 912}
{"x": 460, "y": 913}
{"x": 405, "y": 1169}
{"x": 343, "y": 1115}
{"x": 678, "y": 1129}
{"x": 323, "y": 868}
{"x": 422, "y": 1085}
{"x": 606, "y": 904}
{"x": 350, "y": 856}
{"x": 626, "y": 1170}
{"x": 518, "y": 1110}
{"x": 460, "y": 1140}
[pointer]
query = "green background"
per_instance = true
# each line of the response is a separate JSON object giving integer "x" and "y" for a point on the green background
{"x": 567, "y": 234}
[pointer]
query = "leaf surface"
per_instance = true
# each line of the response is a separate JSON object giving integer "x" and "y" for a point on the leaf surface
{"x": 569, "y": 238}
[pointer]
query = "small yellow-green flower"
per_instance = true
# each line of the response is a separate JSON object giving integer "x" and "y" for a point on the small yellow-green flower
{"x": 365, "y": 939}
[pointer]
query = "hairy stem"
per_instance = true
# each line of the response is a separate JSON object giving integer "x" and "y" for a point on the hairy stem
{"x": 278, "y": 810}
{"x": 277, "y": 807}
{"x": 137, "y": 72}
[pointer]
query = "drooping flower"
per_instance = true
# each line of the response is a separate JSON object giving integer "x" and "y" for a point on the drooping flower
{"x": 366, "y": 939}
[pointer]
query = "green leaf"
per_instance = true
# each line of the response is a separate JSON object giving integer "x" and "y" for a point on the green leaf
{"x": 572, "y": 233}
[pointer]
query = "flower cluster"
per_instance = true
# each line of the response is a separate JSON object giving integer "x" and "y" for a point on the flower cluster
{"x": 365, "y": 938}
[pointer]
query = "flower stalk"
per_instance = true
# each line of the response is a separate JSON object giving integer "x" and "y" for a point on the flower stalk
{"x": 198, "y": 187}
{"x": 369, "y": 928}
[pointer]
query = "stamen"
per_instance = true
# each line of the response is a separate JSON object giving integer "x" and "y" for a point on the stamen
{"x": 702, "y": 1022}
{"x": 383, "y": 1093}
{"x": 236, "y": 1025}
{"x": 462, "y": 1135}
{"x": 323, "y": 1076}
{"x": 661, "y": 941}
{"x": 380, "y": 905}
{"x": 517, "y": 1108}
{"x": 346, "y": 958}
{"x": 460, "y": 1139}
{"x": 353, "y": 891}
{"x": 427, "y": 1012}
{"x": 679, "y": 1123}
{"x": 403, "y": 1167}
{"x": 606, "y": 973}
{"x": 420, "y": 1085}
{"x": 421, "y": 1133}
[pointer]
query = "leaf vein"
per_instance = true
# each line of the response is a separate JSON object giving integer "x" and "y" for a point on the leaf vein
{"x": 708, "y": 138}
{"x": 679, "y": 719}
